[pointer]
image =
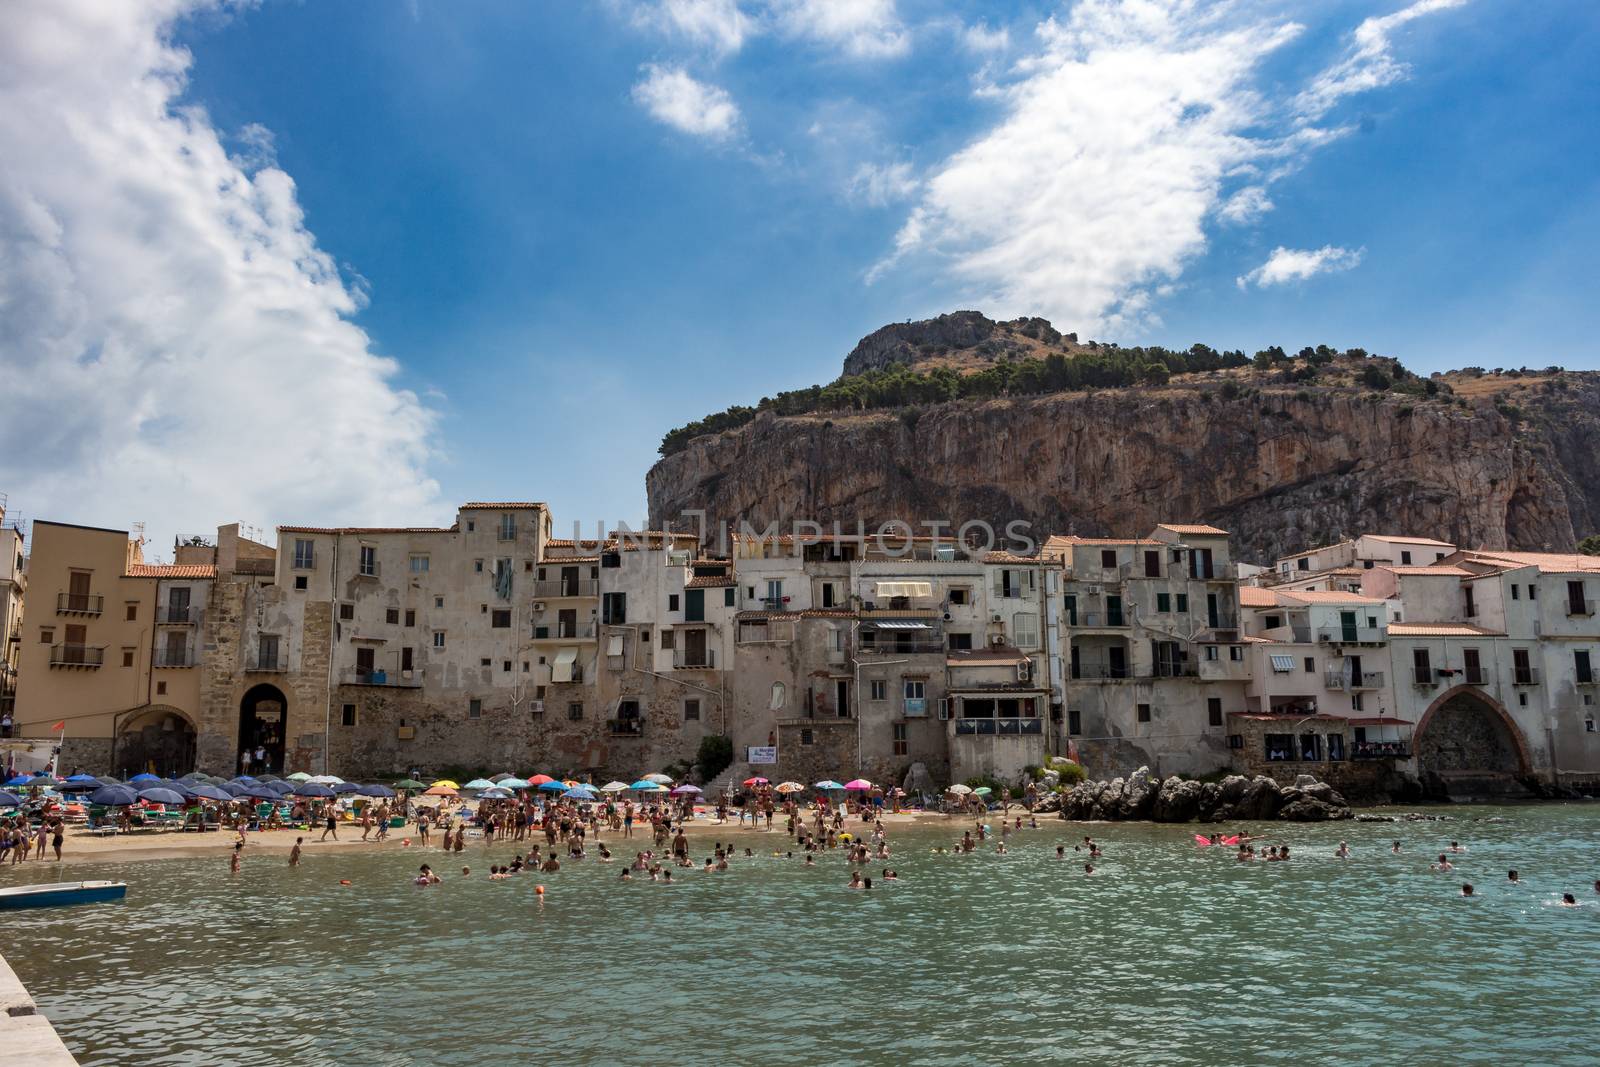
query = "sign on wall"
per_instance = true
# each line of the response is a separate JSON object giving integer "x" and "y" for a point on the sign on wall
{"x": 762, "y": 754}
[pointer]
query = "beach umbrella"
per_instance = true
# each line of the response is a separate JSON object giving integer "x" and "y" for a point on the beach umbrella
{"x": 80, "y": 783}
{"x": 156, "y": 794}
{"x": 502, "y": 776}
{"x": 982, "y": 791}
{"x": 686, "y": 790}
{"x": 10, "y": 800}
{"x": 327, "y": 779}
{"x": 757, "y": 780}
{"x": 279, "y": 788}
{"x": 790, "y": 787}
{"x": 858, "y": 784}
{"x": 540, "y": 779}
{"x": 553, "y": 786}
{"x": 212, "y": 779}
{"x": 375, "y": 790}
{"x": 19, "y": 780}
{"x": 313, "y": 789}
{"x": 828, "y": 783}
{"x": 614, "y": 787}
{"x": 659, "y": 779}
{"x": 144, "y": 777}
{"x": 299, "y": 776}
{"x": 445, "y": 782}
{"x": 238, "y": 789}
{"x": 192, "y": 776}
{"x": 495, "y": 793}
{"x": 439, "y": 791}
{"x": 345, "y": 787}
{"x": 511, "y": 783}
{"x": 410, "y": 783}
{"x": 252, "y": 792}
{"x": 959, "y": 790}
{"x": 580, "y": 792}
{"x": 644, "y": 786}
{"x": 478, "y": 783}
{"x": 207, "y": 791}
{"x": 106, "y": 779}
{"x": 260, "y": 778}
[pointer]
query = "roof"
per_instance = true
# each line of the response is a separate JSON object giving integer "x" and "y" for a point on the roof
{"x": 810, "y": 613}
{"x": 1439, "y": 629}
{"x": 557, "y": 542}
{"x": 367, "y": 529}
{"x": 710, "y": 581}
{"x": 1288, "y": 717}
{"x": 1252, "y": 639}
{"x": 1446, "y": 571}
{"x": 1328, "y": 596}
{"x": 550, "y": 560}
{"x": 1547, "y": 562}
{"x": 984, "y": 657}
{"x": 1253, "y": 596}
{"x": 1004, "y": 557}
{"x": 1314, "y": 551}
{"x": 1379, "y": 721}
{"x": 1400, "y": 539}
{"x": 1198, "y": 529}
{"x": 171, "y": 570}
{"x": 490, "y": 505}
{"x": 1062, "y": 540}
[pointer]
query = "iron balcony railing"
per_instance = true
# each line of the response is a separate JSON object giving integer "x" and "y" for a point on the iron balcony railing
{"x": 411, "y": 679}
{"x": 1100, "y": 618}
{"x": 369, "y": 570}
{"x": 1000, "y": 727}
{"x": 1352, "y": 635}
{"x": 1355, "y": 680}
{"x": 1107, "y": 671}
{"x": 1380, "y": 750}
{"x": 902, "y": 648}
{"x": 625, "y": 727}
{"x": 179, "y": 615}
{"x": 563, "y": 631}
{"x": 77, "y": 655}
{"x": 174, "y": 657}
{"x": 1580, "y": 607}
{"x": 1475, "y": 676}
{"x": 274, "y": 662}
{"x": 555, "y": 588}
{"x": 1525, "y": 676}
{"x": 684, "y": 660}
{"x": 79, "y": 604}
{"x": 915, "y": 707}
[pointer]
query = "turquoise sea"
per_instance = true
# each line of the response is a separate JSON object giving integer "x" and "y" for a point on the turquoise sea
{"x": 1169, "y": 954}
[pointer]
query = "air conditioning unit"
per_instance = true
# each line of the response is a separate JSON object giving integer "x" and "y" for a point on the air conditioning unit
{"x": 538, "y": 605}
{"x": 995, "y": 616}
{"x": 406, "y": 733}
{"x": 1024, "y": 671}
{"x": 997, "y": 640}
{"x": 538, "y": 707}
{"x": 947, "y": 616}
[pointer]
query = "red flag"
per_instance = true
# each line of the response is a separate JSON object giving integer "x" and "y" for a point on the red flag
{"x": 62, "y": 725}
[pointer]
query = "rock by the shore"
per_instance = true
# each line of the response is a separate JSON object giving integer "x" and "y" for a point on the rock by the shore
{"x": 1140, "y": 796}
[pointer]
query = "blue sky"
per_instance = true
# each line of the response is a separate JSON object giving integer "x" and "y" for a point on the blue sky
{"x": 572, "y": 227}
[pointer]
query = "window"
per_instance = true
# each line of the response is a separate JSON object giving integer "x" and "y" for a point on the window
{"x": 1311, "y": 665}
{"x": 806, "y": 737}
{"x": 1074, "y": 721}
{"x": 1421, "y": 668}
{"x": 1580, "y": 664}
{"x": 438, "y": 601}
{"x": 527, "y": 566}
{"x": 610, "y": 559}
{"x": 780, "y": 696}
{"x": 500, "y": 619}
{"x": 347, "y": 611}
{"x": 1516, "y": 592}
{"x": 419, "y": 564}
{"x": 369, "y": 561}
{"x": 1272, "y": 622}
{"x": 1282, "y": 664}
{"x": 411, "y": 617}
{"x": 1214, "y": 711}
{"x": 524, "y": 666}
{"x": 775, "y": 593}
{"x": 483, "y": 662}
{"x": 127, "y": 657}
{"x": 1025, "y": 629}
{"x": 1522, "y": 699}
{"x": 1357, "y": 702}
{"x": 1163, "y": 603}
{"x": 575, "y": 711}
{"x": 691, "y": 711}
{"x": 477, "y": 566}
{"x": 1521, "y": 667}
{"x": 900, "y": 744}
{"x": 878, "y": 689}
{"x": 438, "y": 639}
{"x": 471, "y": 526}
{"x": 392, "y": 616}
{"x": 161, "y": 689}
{"x": 505, "y": 665}
{"x": 1183, "y": 602}
{"x": 407, "y": 658}
{"x": 474, "y": 709}
{"x": 916, "y": 689}
{"x": 347, "y": 715}
{"x": 960, "y": 641}
{"x": 1212, "y": 653}
{"x": 300, "y": 582}
{"x": 1405, "y": 559}
{"x": 1144, "y": 712}
{"x": 133, "y": 612}
{"x": 728, "y": 597}
{"x": 508, "y": 528}
{"x": 672, "y": 601}
{"x": 1533, "y": 592}
{"x": 305, "y": 554}
{"x": 961, "y": 595}
{"x": 1236, "y": 653}
{"x": 1303, "y": 563}
{"x": 614, "y": 609}
{"x": 46, "y": 637}
{"x": 1108, "y": 558}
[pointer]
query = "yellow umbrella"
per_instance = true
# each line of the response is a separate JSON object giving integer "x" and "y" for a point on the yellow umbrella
{"x": 447, "y": 783}
{"x": 571, "y": 785}
{"x": 790, "y": 787}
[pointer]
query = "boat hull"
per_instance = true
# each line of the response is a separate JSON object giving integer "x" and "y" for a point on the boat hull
{"x": 62, "y": 894}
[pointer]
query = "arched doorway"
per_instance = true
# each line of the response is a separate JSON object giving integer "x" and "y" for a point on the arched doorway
{"x": 1468, "y": 744}
{"x": 159, "y": 740}
{"x": 263, "y": 715}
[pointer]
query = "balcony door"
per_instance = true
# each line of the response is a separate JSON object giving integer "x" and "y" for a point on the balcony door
{"x": 1347, "y": 625}
{"x": 173, "y": 654}
{"x": 694, "y": 647}
{"x": 78, "y": 591}
{"x": 364, "y": 662}
{"x": 569, "y": 581}
{"x": 178, "y": 604}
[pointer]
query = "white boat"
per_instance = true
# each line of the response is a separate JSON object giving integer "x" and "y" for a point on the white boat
{"x": 56, "y": 894}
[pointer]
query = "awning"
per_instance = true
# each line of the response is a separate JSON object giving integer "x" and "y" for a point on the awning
{"x": 614, "y": 645}
{"x": 903, "y": 626}
{"x": 561, "y": 669}
{"x": 906, "y": 589}
{"x": 1283, "y": 664}
{"x": 1380, "y": 722}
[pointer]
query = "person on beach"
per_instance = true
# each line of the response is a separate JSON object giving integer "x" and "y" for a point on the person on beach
{"x": 422, "y": 827}
{"x": 331, "y": 827}
{"x": 294, "y": 853}
{"x": 366, "y": 820}
{"x": 56, "y": 836}
{"x": 40, "y": 838}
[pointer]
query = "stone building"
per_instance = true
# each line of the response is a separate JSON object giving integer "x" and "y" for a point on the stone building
{"x": 13, "y": 591}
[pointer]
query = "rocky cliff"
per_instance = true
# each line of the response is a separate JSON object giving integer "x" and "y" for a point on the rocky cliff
{"x": 1491, "y": 461}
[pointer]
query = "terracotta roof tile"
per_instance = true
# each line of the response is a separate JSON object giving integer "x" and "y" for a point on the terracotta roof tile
{"x": 171, "y": 570}
{"x": 1199, "y": 529}
{"x": 1456, "y": 572}
{"x": 1063, "y": 540}
{"x": 367, "y": 529}
{"x": 1403, "y": 540}
{"x": 984, "y": 657}
{"x": 710, "y": 581}
{"x": 1547, "y": 562}
{"x": 1439, "y": 629}
{"x": 811, "y": 613}
{"x": 1327, "y": 596}
{"x": 1253, "y": 596}
{"x": 491, "y": 505}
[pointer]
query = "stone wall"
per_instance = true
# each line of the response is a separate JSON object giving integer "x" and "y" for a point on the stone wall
{"x": 88, "y": 755}
{"x": 831, "y": 753}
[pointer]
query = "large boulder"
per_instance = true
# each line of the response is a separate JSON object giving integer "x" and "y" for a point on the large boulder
{"x": 1139, "y": 793}
{"x": 1177, "y": 801}
{"x": 918, "y": 781}
{"x": 1209, "y": 801}
{"x": 1261, "y": 799}
{"x": 1110, "y": 799}
{"x": 1306, "y": 808}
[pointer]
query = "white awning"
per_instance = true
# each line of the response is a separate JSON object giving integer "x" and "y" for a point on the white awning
{"x": 1283, "y": 664}
{"x": 903, "y": 626}
{"x": 614, "y": 645}
{"x": 561, "y": 669}
{"x": 908, "y": 589}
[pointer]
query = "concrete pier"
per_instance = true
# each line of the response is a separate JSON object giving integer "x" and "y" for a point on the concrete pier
{"x": 26, "y": 1037}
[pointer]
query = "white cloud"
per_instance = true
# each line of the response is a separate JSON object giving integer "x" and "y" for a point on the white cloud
{"x": 176, "y": 347}
{"x": 674, "y": 97}
{"x": 1131, "y": 126}
{"x": 880, "y": 184}
{"x": 862, "y": 29}
{"x": 1287, "y": 265}
{"x": 980, "y": 38}
{"x": 717, "y": 24}
{"x": 1245, "y": 206}
{"x": 1368, "y": 63}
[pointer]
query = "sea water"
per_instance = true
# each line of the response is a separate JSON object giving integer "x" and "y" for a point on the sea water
{"x": 1168, "y": 954}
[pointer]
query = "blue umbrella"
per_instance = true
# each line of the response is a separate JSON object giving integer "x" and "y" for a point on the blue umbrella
{"x": 19, "y": 780}
{"x": 345, "y": 787}
{"x": 643, "y": 785}
{"x": 82, "y": 778}
{"x": 375, "y": 791}
{"x": 114, "y": 796}
{"x": 281, "y": 788}
{"x": 145, "y": 777}
{"x": 580, "y": 792}
{"x": 553, "y": 787}
{"x": 258, "y": 792}
{"x": 10, "y": 800}
{"x": 312, "y": 789}
{"x": 496, "y": 794}
{"x": 245, "y": 778}
{"x": 70, "y": 786}
{"x": 209, "y": 792}
{"x": 158, "y": 795}
{"x": 237, "y": 789}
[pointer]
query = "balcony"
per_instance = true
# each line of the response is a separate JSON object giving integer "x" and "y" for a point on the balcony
{"x": 564, "y": 631}
{"x": 174, "y": 657}
{"x": 1578, "y": 608}
{"x": 1352, "y": 682}
{"x": 86, "y": 656}
{"x": 625, "y": 727}
{"x": 1525, "y": 676}
{"x": 79, "y": 604}
{"x": 1475, "y": 676}
{"x": 685, "y": 660}
{"x": 774, "y": 603}
{"x": 1352, "y": 635}
{"x": 1099, "y": 619}
{"x": 179, "y": 615}
{"x": 1363, "y": 750}
{"x": 1000, "y": 727}
{"x": 903, "y": 648}
{"x": 393, "y": 679}
{"x": 1222, "y": 621}
{"x": 559, "y": 588}
{"x": 1424, "y": 678}
{"x": 276, "y": 663}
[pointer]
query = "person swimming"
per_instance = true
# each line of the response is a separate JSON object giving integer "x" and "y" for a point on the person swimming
{"x": 1443, "y": 865}
{"x": 627, "y": 875}
{"x": 1568, "y": 900}
{"x": 1511, "y": 876}
{"x": 855, "y": 880}
{"x": 1088, "y": 868}
{"x": 1466, "y": 889}
{"x": 1455, "y": 846}
{"x": 889, "y": 875}
{"x": 1396, "y": 848}
{"x": 1061, "y": 852}
{"x": 1343, "y": 851}
{"x": 425, "y": 876}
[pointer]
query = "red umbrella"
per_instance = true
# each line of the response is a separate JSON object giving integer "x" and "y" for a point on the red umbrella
{"x": 540, "y": 779}
{"x": 758, "y": 780}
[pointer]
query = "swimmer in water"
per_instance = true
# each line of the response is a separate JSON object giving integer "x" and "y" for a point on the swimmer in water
{"x": 855, "y": 880}
{"x": 1568, "y": 900}
{"x": 1455, "y": 846}
{"x": 1343, "y": 851}
{"x": 425, "y": 876}
{"x": 1000, "y": 849}
{"x": 811, "y": 859}
{"x": 1466, "y": 889}
{"x": 889, "y": 875}
{"x": 627, "y": 875}
{"x": 1088, "y": 868}
{"x": 1511, "y": 876}
{"x": 1061, "y": 852}
{"x": 1443, "y": 865}
{"x": 1396, "y": 848}
{"x": 466, "y": 871}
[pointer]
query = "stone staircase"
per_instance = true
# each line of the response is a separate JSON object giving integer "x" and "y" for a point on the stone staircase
{"x": 729, "y": 779}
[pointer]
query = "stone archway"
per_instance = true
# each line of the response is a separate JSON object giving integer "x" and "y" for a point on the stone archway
{"x": 263, "y": 726}
{"x": 1467, "y": 743}
{"x": 160, "y": 740}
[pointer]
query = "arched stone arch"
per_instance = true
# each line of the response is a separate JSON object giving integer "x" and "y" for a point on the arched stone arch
{"x": 158, "y": 738}
{"x": 1467, "y": 732}
{"x": 263, "y": 725}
